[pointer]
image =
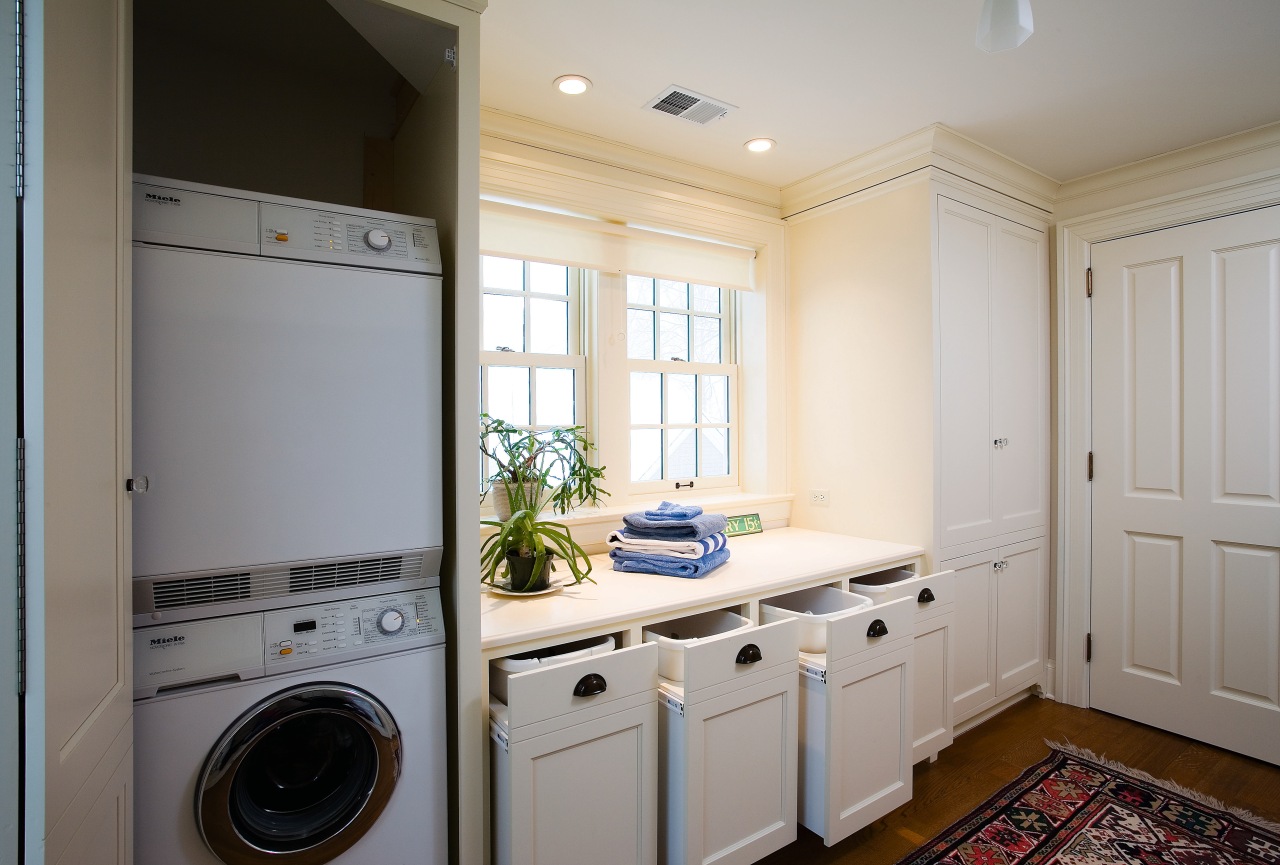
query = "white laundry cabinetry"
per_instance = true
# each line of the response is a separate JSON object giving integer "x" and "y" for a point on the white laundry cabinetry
{"x": 567, "y": 768}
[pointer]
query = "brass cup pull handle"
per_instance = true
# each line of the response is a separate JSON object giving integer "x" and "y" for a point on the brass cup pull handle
{"x": 926, "y": 595}
{"x": 590, "y": 685}
{"x": 878, "y": 629}
{"x": 748, "y": 654}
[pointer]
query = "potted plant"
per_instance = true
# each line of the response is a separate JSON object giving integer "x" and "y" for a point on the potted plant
{"x": 524, "y": 545}
{"x": 528, "y": 461}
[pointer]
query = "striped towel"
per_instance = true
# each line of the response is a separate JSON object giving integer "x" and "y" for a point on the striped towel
{"x": 622, "y": 540}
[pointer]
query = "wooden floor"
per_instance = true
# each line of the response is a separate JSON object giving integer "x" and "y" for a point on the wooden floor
{"x": 991, "y": 755}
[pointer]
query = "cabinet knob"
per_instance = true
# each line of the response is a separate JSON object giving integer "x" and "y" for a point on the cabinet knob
{"x": 590, "y": 685}
{"x": 926, "y": 595}
{"x": 878, "y": 629}
{"x": 748, "y": 654}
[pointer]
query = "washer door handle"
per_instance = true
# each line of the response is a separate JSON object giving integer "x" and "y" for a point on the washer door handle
{"x": 590, "y": 685}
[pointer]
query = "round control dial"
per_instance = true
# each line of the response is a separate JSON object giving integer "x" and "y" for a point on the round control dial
{"x": 391, "y": 621}
{"x": 376, "y": 238}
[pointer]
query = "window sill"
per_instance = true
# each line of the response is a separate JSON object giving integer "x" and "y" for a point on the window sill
{"x": 591, "y": 526}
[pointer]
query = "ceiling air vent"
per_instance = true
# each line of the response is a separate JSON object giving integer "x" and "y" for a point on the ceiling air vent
{"x": 687, "y": 105}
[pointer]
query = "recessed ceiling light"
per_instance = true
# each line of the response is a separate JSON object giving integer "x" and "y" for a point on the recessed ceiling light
{"x": 573, "y": 84}
{"x": 760, "y": 145}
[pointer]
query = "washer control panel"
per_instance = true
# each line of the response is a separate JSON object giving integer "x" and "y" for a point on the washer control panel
{"x": 302, "y": 635}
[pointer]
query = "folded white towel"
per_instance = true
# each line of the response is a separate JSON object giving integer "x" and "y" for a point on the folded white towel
{"x": 620, "y": 540}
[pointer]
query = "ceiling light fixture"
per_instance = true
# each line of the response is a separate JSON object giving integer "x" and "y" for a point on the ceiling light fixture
{"x": 573, "y": 84}
{"x": 1004, "y": 24}
{"x": 760, "y": 145}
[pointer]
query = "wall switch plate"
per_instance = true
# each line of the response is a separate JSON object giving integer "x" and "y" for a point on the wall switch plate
{"x": 821, "y": 498}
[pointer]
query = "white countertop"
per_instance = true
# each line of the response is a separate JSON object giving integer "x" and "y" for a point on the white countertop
{"x": 768, "y": 563}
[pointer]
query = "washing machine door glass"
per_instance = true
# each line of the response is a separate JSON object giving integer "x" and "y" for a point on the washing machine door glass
{"x": 300, "y": 777}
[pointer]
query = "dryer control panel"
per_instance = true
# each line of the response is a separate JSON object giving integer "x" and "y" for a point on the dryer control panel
{"x": 300, "y": 636}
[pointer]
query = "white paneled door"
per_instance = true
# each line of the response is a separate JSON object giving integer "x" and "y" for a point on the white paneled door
{"x": 1186, "y": 491}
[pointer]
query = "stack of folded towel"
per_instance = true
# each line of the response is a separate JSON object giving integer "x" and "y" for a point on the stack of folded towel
{"x": 673, "y": 540}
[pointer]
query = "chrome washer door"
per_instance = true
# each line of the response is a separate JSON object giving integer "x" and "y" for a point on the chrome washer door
{"x": 299, "y": 777}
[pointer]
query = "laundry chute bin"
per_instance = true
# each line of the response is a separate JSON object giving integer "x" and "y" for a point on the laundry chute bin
{"x": 728, "y": 737}
{"x": 932, "y": 709}
{"x": 855, "y": 706}
{"x": 574, "y": 746}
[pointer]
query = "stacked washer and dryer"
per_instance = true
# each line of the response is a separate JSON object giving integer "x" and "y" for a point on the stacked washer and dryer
{"x": 287, "y": 532}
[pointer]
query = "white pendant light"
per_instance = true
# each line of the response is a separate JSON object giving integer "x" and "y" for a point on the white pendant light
{"x": 1004, "y": 24}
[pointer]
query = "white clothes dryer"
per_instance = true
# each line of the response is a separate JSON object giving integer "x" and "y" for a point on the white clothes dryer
{"x": 330, "y": 747}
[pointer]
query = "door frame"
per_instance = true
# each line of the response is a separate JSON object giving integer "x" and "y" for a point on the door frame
{"x": 1073, "y": 506}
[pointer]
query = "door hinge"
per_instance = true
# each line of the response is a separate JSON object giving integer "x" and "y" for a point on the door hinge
{"x": 20, "y": 472}
{"x": 451, "y": 56}
{"x": 1088, "y": 282}
{"x": 1090, "y": 465}
{"x": 1088, "y": 648}
{"x": 19, "y": 81}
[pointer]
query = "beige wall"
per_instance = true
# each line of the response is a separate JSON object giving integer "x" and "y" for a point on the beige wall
{"x": 861, "y": 367}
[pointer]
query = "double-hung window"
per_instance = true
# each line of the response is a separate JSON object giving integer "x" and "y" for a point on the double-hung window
{"x": 668, "y": 345}
{"x": 682, "y": 385}
{"x": 532, "y": 368}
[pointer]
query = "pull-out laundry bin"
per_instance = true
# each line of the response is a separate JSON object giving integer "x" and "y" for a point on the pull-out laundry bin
{"x": 855, "y": 708}
{"x": 728, "y": 738}
{"x": 933, "y": 725}
{"x": 574, "y": 750}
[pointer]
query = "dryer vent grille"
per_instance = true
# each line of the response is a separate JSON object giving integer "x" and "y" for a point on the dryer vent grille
{"x": 197, "y": 591}
{"x": 337, "y": 575}
{"x": 281, "y": 581}
{"x": 687, "y": 105}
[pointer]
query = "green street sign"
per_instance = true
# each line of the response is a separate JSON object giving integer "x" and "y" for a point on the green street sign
{"x": 746, "y": 524}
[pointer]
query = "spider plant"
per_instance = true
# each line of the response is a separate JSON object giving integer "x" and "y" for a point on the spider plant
{"x": 525, "y": 536}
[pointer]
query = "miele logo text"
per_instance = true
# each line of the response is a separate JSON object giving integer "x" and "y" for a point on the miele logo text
{"x": 164, "y": 641}
{"x": 163, "y": 199}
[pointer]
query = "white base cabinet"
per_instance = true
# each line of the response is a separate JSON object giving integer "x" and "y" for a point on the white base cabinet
{"x": 728, "y": 772}
{"x": 856, "y": 721}
{"x": 574, "y": 776}
{"x": 999, "y": 630}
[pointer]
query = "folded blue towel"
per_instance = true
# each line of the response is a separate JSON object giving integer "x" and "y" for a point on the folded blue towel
{"x": 669, "y": 511}
{"x": 689, "y": 529}
{"x": 629, "y": 543}
{"x": 644, "y": 563}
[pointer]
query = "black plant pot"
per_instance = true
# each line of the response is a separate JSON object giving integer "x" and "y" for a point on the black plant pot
{"x": 521, "y": 568}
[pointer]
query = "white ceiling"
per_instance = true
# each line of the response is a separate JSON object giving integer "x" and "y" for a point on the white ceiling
{"x": 1101, "y": 82}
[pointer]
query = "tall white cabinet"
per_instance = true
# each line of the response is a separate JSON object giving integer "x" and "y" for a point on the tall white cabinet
{"x": 934, "y": 293}
{"x": 992, "y": 435}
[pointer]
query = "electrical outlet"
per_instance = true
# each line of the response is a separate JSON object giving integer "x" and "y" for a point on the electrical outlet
{"x": 821, "y": 498}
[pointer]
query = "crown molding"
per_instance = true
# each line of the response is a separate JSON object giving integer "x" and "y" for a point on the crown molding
{"x": 1260, "y": 144}
{"x": 936, "y": 146}
{"x": 586, "y": 151}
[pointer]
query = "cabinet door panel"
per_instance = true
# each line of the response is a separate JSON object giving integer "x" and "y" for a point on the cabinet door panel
{"x": 869, "y": 731}
{"x": 966, "y": 249}
{"x": 1020, "y": 617}
{"x": 740, "y": 776}
{"x": 1020, "y": 377}
{"x": 974, "y": 637}
{"x": 584, "y": 795}
{"x": 931, "y": 705}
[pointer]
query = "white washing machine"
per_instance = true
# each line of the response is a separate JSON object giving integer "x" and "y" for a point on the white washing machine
{"x": 308, "y": 735}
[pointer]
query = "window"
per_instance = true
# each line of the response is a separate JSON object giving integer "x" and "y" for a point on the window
{"x": 532, "y": 370}
{"x": 680, "y": 387}
{"x": 663, "y": 395}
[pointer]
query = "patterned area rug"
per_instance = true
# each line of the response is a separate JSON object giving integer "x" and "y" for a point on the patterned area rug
{"x": 1075, "y": 808}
